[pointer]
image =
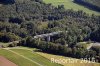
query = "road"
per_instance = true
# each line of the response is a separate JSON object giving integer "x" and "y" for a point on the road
{"x": 93, "y": 44}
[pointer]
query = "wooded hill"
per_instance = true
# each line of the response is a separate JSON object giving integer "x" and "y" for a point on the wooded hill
{"x": 24, "y": 16}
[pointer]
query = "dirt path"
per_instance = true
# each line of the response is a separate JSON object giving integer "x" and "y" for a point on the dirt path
{"x": 6, "y": 62}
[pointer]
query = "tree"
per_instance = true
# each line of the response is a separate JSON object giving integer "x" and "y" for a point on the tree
{"x": 7, "y": 1}
{"x": 95, "y": 36}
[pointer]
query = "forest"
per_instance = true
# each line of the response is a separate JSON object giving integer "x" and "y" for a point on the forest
{"x": 21, "y": 19}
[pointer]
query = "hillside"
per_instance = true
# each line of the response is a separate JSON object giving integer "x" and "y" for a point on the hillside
{"x": 24, "y": 18}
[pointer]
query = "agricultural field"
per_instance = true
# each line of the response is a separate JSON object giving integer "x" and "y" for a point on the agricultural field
{"x": 69, "y": 4}
{"x": 35, "y": 57}
{"x": 19, "y": 60}
{"x": 24, "y": 56}
{"x": 75, "y": 63}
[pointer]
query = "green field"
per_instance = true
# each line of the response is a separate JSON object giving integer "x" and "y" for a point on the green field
{"x": 24, "y": 56}
{"x": 79, "y": 62}
{"x": 20, "y": 61}
{"x": 35, "y": 57}
{"x": 69, "y": 4}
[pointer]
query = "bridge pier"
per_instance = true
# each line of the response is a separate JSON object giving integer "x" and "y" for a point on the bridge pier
{"x": 48, "y": 38}
{"x": 39, "y": 40}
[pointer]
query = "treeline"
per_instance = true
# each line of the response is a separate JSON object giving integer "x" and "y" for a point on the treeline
{"x": 92, "y": 4}
{"x": 49, "y": 47}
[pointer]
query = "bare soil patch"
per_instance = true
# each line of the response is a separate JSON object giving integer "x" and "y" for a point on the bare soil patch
{"x": 6, "y": 62}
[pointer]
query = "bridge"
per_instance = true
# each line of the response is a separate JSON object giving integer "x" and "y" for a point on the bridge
{"x": 48, "y": 35}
